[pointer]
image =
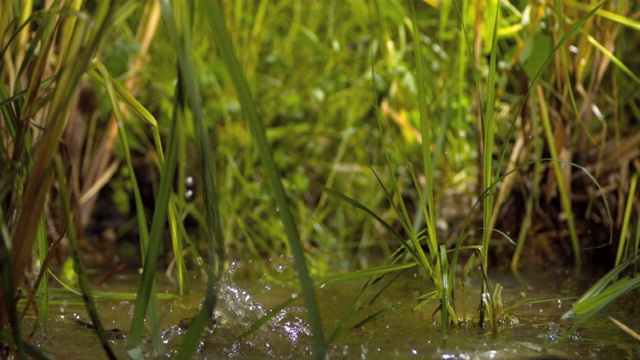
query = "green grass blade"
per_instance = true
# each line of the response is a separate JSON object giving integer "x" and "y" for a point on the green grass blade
{"x": 188, "y": 91}
{"x": 12, "y": 337}
{"x": 613, "y": 58}
{"x": 366, "y": 290}
{"x": 596, "y": 304}
{"x": 627, "y": 215}
{"x": 154, "y": 316}
{"x": 488, "y": 134}
{"x": 444, "y": 293}
{"x": 388, "y": 227}
{"x": 425, "y": 129}
{"x": 43, "y": 287}
{"x": 562, "y": 188}
{"x": 592, "y": 303}
{"x": 564, "y": 196}
{"x": 158, "y": 222}
{"x": 272, "y": 313}
{"x": 488, "y": 131}
{"x": 88, "y": 34}
{"x": 620, "y": 19}
{"x": 83, "y": 280}
{"x": 380, "y": 314}
{"x": 600, "y": 285}
{"x": 565, "y": 67}
{"x": 223, "y": 41}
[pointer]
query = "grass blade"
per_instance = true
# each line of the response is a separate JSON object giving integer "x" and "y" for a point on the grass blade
{"x": 88, "y": 33}
{"x": 83, "y": 280}
{"x": 158, "y": 222}
{"x": 141, "y": 216}
{"x": 223, "y": 41}
{"x": 188, "y": 92}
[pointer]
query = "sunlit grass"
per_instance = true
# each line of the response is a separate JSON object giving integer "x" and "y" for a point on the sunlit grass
{"x": 370, "y": 122}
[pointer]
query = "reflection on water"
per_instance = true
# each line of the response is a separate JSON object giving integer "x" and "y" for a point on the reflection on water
{"x": 405, "y": 333}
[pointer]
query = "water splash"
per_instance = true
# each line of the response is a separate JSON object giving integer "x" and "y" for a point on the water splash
{"x": 286, "y": 335}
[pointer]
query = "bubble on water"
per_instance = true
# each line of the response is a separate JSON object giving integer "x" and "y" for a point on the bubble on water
{"x": 364, "y": 350}
{"x": 345, "y": 350}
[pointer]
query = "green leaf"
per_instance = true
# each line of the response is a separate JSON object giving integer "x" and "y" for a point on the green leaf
{"x": 537, "y": 49}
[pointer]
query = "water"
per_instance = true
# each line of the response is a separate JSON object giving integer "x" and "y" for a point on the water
{"x": 285, "y": 336}
{"x": 405, "y": 333}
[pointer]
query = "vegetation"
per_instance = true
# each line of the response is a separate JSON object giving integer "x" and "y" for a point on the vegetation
{"x": 449, "y": 137}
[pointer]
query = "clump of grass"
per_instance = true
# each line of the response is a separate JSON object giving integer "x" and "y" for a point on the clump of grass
{"x": 438, "y": 114}
{"x": 29, "y": 150}
{"x": 433, "y": 264}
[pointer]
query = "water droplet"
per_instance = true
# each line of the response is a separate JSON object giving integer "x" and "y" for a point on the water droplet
{"x": 364, "y": 350}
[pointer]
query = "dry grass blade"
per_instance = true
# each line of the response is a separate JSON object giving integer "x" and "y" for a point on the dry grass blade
{"x": 625, "y": 328}
{"x": 99, "y": 163}
{"x": 87, "y": 35}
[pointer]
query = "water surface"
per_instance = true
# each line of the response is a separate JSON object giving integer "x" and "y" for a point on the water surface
{"x": 409, "y": 332}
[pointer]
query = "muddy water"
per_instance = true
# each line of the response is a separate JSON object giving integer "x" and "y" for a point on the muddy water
{"x": 406, "y": 333}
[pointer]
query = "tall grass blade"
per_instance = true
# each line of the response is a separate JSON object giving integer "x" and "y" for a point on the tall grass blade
{"x": 533, "y": 195}
{"x": 565, "y": 67}
{"x": 188, "y": 92}
{"x": 83, "y": 280}
{"x": 562, "y": 187}
{"x": 425, "y": 129}
{"x": 488, "y": 134}
{"x": 613, "y": 58}
{"x": 564, "y": 197}
{"x": 444, "y": 296}
{"x": 627, "y": 216}
{"x": 88, "y": 33}
{"x": 154, "y": 316}
{"x": 158, "y": 222}
{"x": 223, "y": 41}
{"x": 620, "y": 19}
{"x": 43, "y": 286}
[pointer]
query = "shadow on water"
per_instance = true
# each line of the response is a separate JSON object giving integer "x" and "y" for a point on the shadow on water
{"x": 406, "y": 333}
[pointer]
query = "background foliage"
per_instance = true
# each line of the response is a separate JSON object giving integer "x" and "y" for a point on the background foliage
{"x": 529, "y": 119}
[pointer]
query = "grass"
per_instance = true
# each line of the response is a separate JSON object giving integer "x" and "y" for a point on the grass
{"x": 392, "y": 135}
